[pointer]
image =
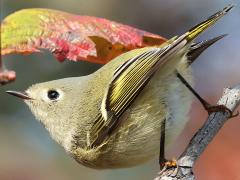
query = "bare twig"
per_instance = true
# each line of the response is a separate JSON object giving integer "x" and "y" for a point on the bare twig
{"x": 231, "y": 99}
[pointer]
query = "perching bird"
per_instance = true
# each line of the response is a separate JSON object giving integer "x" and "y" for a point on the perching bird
{"x": 112, "y": 117}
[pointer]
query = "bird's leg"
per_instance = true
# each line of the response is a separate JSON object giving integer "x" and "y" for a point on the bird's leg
{"x": 162, "y": 158}
{"x": 163, "y": 162}
{"x": 208, "y": 107}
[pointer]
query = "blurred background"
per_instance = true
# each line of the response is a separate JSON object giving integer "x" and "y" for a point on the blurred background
{"x": 28, "y": 153}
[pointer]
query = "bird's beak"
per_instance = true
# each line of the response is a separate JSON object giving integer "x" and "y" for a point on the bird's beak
{"x": 22, "y": 95}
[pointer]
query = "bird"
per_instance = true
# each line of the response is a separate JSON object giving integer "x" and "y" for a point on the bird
{"x": 112, "y": 117}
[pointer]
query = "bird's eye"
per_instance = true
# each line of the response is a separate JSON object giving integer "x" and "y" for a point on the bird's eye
{"x": 53, "y": 94}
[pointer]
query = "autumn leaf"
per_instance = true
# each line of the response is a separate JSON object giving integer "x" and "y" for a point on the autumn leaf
{"x": 70, "y": 36}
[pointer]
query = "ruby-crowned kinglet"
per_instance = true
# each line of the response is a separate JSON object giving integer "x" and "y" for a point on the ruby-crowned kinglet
{"x": 112, "y": 118}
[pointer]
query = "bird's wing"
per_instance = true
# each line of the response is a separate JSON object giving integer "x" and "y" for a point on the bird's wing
{"x": 133, "y": 75}
{"x": 127, "y": 82}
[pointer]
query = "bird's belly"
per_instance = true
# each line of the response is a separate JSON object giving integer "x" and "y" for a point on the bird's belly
{"x": 139, "y": 135}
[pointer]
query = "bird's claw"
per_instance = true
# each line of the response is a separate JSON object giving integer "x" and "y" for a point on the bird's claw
{"x": 170, "y": 164}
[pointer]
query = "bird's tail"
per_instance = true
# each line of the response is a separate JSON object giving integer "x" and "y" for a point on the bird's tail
{"x": 185, "y": 40}
{"x": 201, "y": 27}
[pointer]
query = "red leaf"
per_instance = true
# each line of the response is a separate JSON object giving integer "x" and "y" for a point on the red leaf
{"x": 71, "y": 36}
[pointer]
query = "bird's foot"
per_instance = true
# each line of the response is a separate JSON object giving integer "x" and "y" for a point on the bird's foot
{"x": 215, "y": 108}
{"x": 169, "y": 164}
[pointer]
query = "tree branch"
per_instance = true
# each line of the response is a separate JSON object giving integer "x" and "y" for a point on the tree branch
{"x": 199, "y": 142}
